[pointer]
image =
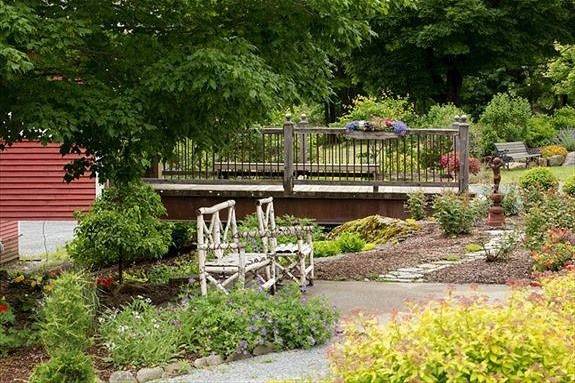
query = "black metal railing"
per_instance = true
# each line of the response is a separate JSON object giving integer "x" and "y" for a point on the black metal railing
{"x": 299, "y": 154}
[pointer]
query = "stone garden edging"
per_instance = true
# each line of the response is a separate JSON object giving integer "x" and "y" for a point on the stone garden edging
{"x": 182, "y": 367}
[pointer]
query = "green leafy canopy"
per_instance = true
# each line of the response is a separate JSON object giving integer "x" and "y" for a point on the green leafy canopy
{"x": 121, "y": 82}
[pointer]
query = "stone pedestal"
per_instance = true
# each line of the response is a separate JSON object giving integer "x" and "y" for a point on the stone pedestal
{"x": 496, "y": 216}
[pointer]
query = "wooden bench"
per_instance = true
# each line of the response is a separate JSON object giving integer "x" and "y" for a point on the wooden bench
{"x": 514, "y": 152}
{"x": 222, "y": 258}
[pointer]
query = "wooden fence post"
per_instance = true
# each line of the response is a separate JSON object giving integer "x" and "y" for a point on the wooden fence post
{"x": 288, "y": 154}
{"x": 157, "y": 169}
{"x": 463, "y": 153}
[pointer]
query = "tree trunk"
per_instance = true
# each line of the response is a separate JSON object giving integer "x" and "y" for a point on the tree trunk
{"x": 454, "y": 84}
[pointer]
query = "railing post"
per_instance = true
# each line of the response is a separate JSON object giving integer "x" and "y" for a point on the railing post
{"x": 303, "y": 122}
{"x": 288, "y": 154}
{"x": 463, "y": 153}
{"x": 157, "y": 169}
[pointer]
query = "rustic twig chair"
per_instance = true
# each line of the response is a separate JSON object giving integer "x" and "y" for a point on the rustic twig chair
{"x": 291, "y": 258}
{"x": 222, "y": 257}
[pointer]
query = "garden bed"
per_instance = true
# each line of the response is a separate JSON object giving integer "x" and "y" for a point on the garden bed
{"x": 517, "y": 267}
{"x": 429, "y": 244}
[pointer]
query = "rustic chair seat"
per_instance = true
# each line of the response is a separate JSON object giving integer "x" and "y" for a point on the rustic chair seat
{"x": 234, "y": 260}
{"x": 292, "y": 260}
{"x": 222, "y": 258}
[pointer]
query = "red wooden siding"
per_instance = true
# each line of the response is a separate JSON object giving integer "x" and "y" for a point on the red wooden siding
{"x": 9, "y": 239}
{"x": 32, "y": 185}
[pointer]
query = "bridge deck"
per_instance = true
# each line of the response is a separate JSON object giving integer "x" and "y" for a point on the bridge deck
{"x": 326, "y": 203}
{"x": 319, "y": 190}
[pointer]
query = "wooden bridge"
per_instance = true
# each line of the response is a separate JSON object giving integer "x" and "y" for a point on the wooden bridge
{"x": 323, "y": 173}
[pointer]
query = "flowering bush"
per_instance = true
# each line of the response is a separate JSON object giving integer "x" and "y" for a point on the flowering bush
{"x": 416, "y": 204}
{"x": 554, "y": 211}
{"x": 538, "y": 178}
{"x": 528, "y": 339}
{"x": 557, "y": 251}
{"x": 553, "y": 150}
{"x": 141, "y": 334}
{"x": 450, "y": 163}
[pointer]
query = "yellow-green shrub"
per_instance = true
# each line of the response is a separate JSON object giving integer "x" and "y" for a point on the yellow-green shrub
{"x": 529, "y": 339}
{"x": 553, "y": 150}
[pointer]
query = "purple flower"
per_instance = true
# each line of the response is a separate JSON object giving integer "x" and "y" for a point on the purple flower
{"x": 399, "y": 128}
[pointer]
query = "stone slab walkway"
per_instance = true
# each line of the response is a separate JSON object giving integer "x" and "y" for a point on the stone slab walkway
{"x": 416, "y": 273}
{"x": 350, "y": 298}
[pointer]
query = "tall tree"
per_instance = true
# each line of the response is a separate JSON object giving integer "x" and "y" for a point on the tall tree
{"x": 125, "y": 80}
{"x": 425, "y": 48}
{"x": 562, "y": 72}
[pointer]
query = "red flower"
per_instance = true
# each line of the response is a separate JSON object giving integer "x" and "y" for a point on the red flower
{"x": 4, "y": 308}
{"x": 104, "y": 282}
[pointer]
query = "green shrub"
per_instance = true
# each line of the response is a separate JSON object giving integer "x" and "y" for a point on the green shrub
{"x": 416, "y": 204}
{"x": 440, "y": 116}
{"x": 377, "y": 229}
{"x": 538, "y": 179}
{"x": 512, "y": 203}
{"x": 141, "y": 335}
{"x": 454, "y": 213}
{"x": 540, "y": 131}
{"x": 350, "y": 243}
{"x": 566, "y": 138}
{"x": 67, "y": 367}
{"x": 527, "y": 339}
{"x": 564, "y": 118}
{"x": 505, "y": 119}
{"x": 569, "y": 186}
{"x": 123, "y": 224}
{"x": 162, "y": 274}
{"x": 557, "y": 251}
{"x": 67, "y": 315}
{"x": 480, "y": 207}
{"x": 244, "y": 319}
{"x": 365, "y": 108}
{"x": 183, "y": 233}
{"x": 325, "y": 248}
{"x": 554, "y": 211}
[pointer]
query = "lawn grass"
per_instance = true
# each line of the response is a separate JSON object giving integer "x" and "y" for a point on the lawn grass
{"x": 561, "y": 172}
{"x": 485, "y": 176}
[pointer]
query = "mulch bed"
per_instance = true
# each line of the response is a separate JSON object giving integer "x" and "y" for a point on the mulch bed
{"x": 18, "y": 365}
{"x": 429, "y": 244}
{"x": 517, "y": 268}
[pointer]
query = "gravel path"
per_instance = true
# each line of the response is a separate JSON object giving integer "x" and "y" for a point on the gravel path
{"x": 296, "y": 364}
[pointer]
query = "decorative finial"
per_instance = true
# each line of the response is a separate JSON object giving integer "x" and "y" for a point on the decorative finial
{"x": 288, "y": 117}
{"x": 463, "y": 119}
{"x": 303, "y": 118}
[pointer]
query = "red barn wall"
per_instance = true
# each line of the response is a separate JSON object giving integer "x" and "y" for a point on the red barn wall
{"x": 32, "y": 185}
{"x": 9, "y": 238}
